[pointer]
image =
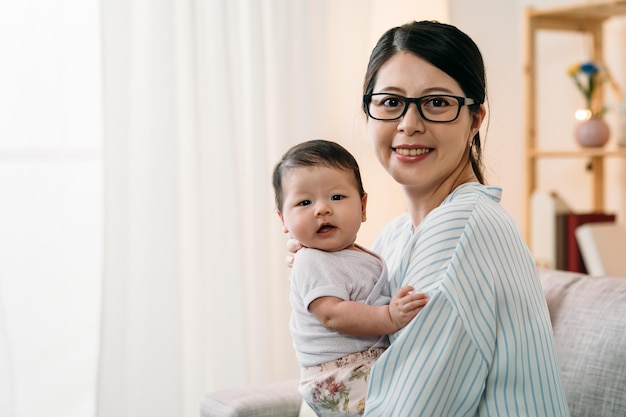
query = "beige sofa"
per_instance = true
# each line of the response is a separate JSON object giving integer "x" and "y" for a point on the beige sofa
{"x": 589, "y": 320}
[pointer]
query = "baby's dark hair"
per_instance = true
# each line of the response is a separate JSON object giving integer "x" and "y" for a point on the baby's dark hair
{"x": 312, "y": 153}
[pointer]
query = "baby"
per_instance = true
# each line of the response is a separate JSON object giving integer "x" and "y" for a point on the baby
{"x": 342, "y": 310}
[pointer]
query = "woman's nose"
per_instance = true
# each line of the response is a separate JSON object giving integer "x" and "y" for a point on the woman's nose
{"x": 412, "y": 121}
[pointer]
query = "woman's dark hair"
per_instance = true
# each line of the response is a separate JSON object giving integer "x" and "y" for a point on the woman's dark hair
{"x": 314, "y": 153}
{"x": 448, "y": 49}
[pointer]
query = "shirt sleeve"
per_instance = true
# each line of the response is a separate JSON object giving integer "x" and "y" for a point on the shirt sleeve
{"x": 482, "y": 346}
{"x": 318, "y": 275}
{"x": 433, "y": 364}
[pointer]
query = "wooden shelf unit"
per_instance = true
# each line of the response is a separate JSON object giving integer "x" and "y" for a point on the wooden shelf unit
{"x": 587, "y": 18}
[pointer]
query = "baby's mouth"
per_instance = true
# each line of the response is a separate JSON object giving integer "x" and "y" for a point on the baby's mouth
{"x": 325, "y": 228}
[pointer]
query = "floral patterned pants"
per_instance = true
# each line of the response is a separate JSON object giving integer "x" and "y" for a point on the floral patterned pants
{"x": 338, "y": 388}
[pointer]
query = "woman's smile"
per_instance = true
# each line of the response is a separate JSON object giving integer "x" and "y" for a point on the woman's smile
{"x": 408, "y": 151}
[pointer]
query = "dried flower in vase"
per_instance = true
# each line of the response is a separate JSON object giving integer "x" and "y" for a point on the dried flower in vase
{"x": 589, "y": 78}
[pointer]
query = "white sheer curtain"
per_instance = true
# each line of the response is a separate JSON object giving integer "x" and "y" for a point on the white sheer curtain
{"x": 200, "y": 100}
{"x": 50, "y": 207}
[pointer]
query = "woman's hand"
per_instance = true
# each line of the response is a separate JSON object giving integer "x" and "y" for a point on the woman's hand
{"x": 405, "y": 305}
{"x": 292, "y": 246}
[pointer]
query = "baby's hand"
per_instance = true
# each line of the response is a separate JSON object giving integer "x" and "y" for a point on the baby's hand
{"x": 292, "y": 246}
{"x": 405, "y": 305}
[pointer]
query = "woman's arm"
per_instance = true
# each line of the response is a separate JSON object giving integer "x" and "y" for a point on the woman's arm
{"x": 358, "y": 319}
{"x": 483, "y": 345}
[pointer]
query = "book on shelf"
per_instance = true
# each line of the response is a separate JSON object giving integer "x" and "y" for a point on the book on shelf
{"x": 546, "y": 238}
{"x": 602, "y": 246}
{"x": 569, "y": 252}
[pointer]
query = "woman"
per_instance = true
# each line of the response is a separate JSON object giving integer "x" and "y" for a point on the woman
{"x": 483, "y": 344}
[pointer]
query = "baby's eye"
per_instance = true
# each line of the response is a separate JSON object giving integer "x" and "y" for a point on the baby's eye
{"x": 304, "y": 203}
{"x": 337, "y": 197}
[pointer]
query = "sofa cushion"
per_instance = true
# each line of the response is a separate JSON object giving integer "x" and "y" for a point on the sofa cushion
{"x": 589, "y": 320}
{"x": 306, "y": 411}
{"x": 279, "y": 399}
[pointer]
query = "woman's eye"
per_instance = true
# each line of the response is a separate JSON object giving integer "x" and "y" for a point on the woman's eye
{"x": 437, "y": 102}
{"x": 392, "y": 102}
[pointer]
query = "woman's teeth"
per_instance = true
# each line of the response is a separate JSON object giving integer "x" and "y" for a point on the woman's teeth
{"x": 412, "y": 152}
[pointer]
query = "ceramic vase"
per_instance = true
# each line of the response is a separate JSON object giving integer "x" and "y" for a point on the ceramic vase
{"x": 592, "y": 133}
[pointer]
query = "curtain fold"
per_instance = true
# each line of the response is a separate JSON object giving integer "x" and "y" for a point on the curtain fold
{"x": 201, "y": 98}
{"x": 187, "y": 181}
{"x": 6, "y": 376}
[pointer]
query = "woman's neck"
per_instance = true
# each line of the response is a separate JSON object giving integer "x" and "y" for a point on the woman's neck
{"x": 421, "y": 201}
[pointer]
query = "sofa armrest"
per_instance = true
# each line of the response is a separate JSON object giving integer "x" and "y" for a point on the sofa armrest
{"x": 279, "y": 399}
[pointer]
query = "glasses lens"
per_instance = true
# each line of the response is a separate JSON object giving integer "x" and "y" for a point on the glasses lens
{"x": 439, "y": 108}
{"x": 386, "y": 106}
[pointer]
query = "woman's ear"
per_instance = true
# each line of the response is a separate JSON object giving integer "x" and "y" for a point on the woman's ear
{"x": 363, "y": 207}
{"x": 478, "y": 117}
{"x": 477, "y": 120}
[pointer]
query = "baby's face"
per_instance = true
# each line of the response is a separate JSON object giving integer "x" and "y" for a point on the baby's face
{"x": 322, "y": 207}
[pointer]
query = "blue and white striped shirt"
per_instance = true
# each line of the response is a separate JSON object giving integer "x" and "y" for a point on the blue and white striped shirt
{"x": 483, "y": 345}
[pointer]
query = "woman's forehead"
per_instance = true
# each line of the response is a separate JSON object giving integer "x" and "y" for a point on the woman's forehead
{"x": 408, "y": 74}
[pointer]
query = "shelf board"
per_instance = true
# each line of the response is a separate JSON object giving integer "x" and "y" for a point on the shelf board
{"x": 577, "y": 153}
{"x": 577, "y": 17}
{"x": 594, "y": 10}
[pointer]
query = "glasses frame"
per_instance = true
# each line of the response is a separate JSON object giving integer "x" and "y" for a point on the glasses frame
{"x": 463, "y": 101}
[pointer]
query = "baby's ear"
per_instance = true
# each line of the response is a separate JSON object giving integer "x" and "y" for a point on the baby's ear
{"x": 282, "y": 220}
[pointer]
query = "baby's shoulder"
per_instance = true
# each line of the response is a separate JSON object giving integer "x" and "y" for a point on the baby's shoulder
{"x": 309, "y": 257}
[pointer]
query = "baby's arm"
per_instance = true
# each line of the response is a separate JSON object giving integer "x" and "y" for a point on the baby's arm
{"x": 357, "y": 319}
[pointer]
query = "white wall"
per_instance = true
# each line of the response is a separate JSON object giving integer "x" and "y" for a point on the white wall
{"x": 498, "y": 29}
